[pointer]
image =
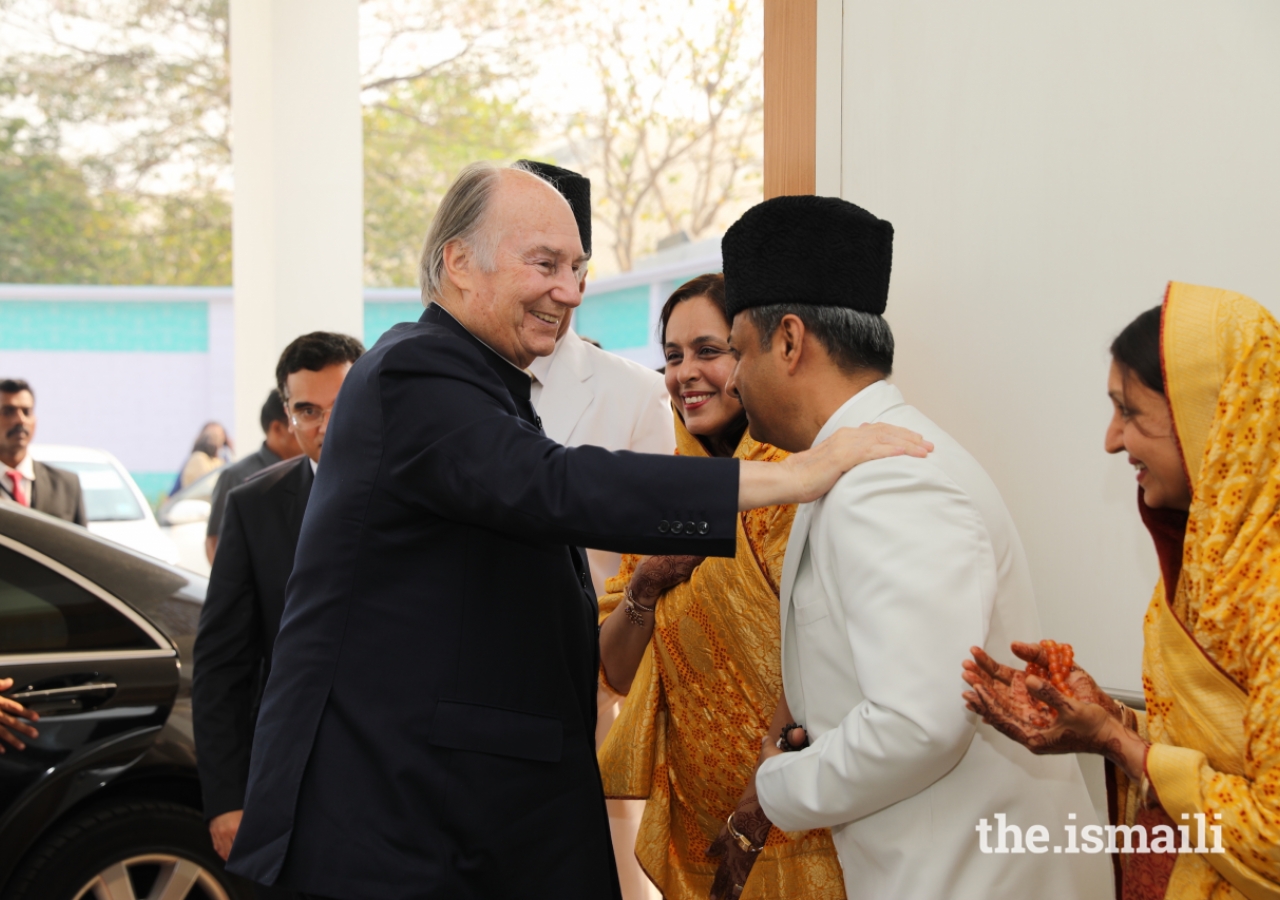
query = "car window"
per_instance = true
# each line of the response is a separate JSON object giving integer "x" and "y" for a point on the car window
{"x": 41, "y": 610}
{"x": 106, "y": 496}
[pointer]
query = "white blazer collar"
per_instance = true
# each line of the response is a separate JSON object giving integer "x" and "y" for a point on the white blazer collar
{"x": 565, "y": 376}
{"x": 865, "y": 406}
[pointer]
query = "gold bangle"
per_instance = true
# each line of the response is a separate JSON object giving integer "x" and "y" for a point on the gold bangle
{"x": 743, "y": 841}
{"x": 633, "y": 609}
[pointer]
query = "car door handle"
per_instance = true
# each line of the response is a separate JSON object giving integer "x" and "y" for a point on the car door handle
{"x": 96, "y": 688}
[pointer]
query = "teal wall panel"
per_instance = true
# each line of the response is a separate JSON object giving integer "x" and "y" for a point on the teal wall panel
{"x": 380, "y": 315}
{"x": 619, "y": 320}
{"x": 124, "y": 326}
{"x": 155, "y": 486}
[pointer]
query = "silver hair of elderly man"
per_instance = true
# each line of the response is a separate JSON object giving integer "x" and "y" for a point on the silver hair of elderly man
{"x": 461, "y": 217}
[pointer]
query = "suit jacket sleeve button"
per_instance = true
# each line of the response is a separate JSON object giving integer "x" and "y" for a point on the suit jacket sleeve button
{"x": 703, "y": 528}
{"x": 677, "y": 527}
{"x": 664, "y": 526}
{"x": 690, "y": 528}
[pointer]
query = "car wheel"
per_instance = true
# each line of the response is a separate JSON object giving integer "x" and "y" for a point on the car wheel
{"x": 142, "y": 850}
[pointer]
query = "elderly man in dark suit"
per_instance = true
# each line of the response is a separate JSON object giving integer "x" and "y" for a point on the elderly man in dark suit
{"x": 24, "y": 480}
{"x": 245, "y": 600}
{"x": 427, "y": 728}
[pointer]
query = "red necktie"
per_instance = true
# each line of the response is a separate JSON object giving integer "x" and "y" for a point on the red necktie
{"x": 19, "y": 495}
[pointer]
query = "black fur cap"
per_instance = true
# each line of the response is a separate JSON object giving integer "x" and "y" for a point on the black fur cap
{"x": 818, "y": 250}
{"x": 575, "y": 188}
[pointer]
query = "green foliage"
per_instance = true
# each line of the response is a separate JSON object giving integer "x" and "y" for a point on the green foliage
{"x": 415, "y": 140}
{"x": 115, "y": 158}
{"x": 55, "y": 228}
{"x": 149, "y": 82}
{"x": 138, "y": 201}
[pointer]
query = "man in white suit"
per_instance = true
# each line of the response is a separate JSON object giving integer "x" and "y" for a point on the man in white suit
{"x": 585, "y": 395}
{"x": 888, "y": 581}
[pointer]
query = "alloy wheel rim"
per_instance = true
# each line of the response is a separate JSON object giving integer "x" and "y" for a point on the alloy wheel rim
{"x": 177, "y": 879}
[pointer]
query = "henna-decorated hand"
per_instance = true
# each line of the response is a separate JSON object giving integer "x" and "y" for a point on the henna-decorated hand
{"x": 11, "y": 715}
{"x": 658, "y": 574}
{"x": 1080, "y": 683}
{"x": 735, "y": 863}
{"x": 1033, "y": 712}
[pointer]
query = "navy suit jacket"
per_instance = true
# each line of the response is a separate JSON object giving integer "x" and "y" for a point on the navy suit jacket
{"x": 427, "y": 730}
{"x": 239, "y": 623}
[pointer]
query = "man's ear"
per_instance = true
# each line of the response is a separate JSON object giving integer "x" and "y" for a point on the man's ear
{"x": 457, "y": 264}
{"x": 791, "y": 333}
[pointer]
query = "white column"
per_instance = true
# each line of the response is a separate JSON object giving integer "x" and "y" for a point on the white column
{"x": 297, "y": 155}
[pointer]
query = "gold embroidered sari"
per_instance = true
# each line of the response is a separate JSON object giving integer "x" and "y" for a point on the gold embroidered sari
{"x": 702, "y": 698}
{"x": 1211, "y": 661}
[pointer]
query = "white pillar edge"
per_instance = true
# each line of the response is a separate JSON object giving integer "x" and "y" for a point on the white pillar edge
{"x": 297, "y": 156}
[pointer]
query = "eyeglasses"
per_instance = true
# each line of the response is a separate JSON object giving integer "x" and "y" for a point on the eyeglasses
{"x": 309, "y": 415}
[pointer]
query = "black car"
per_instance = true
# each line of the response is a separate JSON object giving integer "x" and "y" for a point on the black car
{"x": 105, "y": 804}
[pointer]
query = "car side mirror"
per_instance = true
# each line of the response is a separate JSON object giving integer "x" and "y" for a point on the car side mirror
{"x": 186, "y": 512}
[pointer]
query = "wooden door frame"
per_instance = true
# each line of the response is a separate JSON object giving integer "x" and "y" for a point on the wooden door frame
{"x": 790, "y": 96}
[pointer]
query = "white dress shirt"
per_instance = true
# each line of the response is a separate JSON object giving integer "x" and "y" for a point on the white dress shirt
{"x": 26, "y": 469}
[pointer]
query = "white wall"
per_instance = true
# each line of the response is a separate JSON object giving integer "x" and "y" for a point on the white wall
{"x": 1047, "y": 168}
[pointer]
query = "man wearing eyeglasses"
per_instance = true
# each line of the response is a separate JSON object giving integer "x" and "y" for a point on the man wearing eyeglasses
{"x": 245, "y": 600}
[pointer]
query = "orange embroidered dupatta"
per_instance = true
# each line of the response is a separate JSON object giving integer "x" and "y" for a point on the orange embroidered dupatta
{"x": 1211, "y": 661}
{"x": 702, "y": 699}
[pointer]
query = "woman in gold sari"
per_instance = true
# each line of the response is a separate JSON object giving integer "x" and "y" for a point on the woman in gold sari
{"x": 1196, "y": 388}
{"x": 694, "y": 646}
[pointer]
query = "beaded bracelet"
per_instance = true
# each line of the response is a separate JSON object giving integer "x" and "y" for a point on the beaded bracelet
{"x": 784, "y": 743}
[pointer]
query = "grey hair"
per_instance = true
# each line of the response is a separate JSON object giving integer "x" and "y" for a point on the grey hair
{"x": 462, "y": 216}
{"x": 854, "y": 339}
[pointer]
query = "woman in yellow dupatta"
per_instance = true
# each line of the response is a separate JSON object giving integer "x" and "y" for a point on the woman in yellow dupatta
{"x": 1196, "y": 385}
{"x": 695, "y": 646}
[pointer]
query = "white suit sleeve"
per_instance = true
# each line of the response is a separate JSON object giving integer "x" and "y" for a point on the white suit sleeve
{"x": 654, "y": 430}
{"x": 906, "y": 554}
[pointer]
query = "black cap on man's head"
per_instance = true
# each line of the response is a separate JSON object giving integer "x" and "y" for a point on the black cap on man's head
{"x": 575, "y": 188}
{"x": 817, "y": 250}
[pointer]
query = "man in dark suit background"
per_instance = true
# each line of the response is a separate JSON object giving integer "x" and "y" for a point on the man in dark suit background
{"x": 24, "y": 480}
{"x": 278, "y": 443}
{"x": 427, "y": 730}
{"x": 246, "y": 592}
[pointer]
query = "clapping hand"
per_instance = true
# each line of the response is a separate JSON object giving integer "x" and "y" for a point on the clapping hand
{"x": 1035, "y": 713}
{"x": 1079, "y": 683}
{"x": 11, "y": 715}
